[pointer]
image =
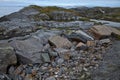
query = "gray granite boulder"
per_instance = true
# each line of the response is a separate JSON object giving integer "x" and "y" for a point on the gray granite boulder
{"x": 30, "y": 48}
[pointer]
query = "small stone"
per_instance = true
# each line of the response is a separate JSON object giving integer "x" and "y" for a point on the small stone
{"x": 53, "y": 64}
{"x": 60, "y": 42}
{"x": 60, "y": 61}
{"x": 29, "y": 77}
{"x": 85, "y": 69}
{"x": 105, "y": 41}
{"x": 46, "y": 47}
{"x": 45, "y": 57}
{"x": 23, "y": 73}
{"x": 56, "y": 76}
{"x": 91, "y": 43}
{"x": 53, "y": 54}
{"x": 63, "y": 53}
{"x": 30, "y": 65}
{"x": 19, "y": 69}
{"x": 81, "y": 46}
{"x": 4, "y": 77}
{"x": 28, "y": 70}
{"x": 18, "y": 77}
{"x": 11, "y": 70}
{"x": 82, "y": 60}
{"x": 82, "y": 77}
{"x": 39, "y": 76}
{"x": 98, "y": 56}
{"x": 34, "y": 72}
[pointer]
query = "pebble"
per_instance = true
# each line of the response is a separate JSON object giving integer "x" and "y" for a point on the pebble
{"x": 60, "y": 61}
{"x": 50, "y": 78}
{"x": 19, "y": 69}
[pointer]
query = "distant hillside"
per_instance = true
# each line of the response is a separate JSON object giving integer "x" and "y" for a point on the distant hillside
{"x": 105, "y": 13}
{"x": 38, "y": 13}
{"x": 54, "y": 13}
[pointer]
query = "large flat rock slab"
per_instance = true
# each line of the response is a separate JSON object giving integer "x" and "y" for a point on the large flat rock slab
{"x": 101, "y": 31}
{"x": 60, "y": 42}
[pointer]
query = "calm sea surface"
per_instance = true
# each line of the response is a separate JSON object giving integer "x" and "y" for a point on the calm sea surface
{"x": 7, "y": 10}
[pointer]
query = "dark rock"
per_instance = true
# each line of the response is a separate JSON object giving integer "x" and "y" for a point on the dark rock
{"x": 16, "y": 28}
{"x": 4, "y": 77}
{"x": 80, "y": 36}
{"x": 7, "y": 56}
{"x": 53, "y": 54}
{"x": 45, "y": 57}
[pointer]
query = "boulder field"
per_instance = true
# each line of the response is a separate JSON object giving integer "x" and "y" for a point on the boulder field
{"x": 53, "y": 54}
{"x": 51, "y": 43}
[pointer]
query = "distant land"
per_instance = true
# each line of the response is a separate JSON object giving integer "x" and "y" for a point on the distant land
{"x": 103, "y": 13}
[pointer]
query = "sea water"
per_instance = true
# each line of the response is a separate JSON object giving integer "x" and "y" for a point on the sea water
{"x": 5, "y": 10}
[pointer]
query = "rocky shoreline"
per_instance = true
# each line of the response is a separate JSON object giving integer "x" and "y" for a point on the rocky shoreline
{"x": 53, "y": 50}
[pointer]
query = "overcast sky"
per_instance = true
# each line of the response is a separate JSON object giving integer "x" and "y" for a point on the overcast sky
{"x": 110, "y": 3}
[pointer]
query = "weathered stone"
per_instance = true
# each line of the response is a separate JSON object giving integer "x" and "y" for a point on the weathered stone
{"x": 53, "y": 54}
{"x": 34, "y": 72}
{"x": 29, "y": 48}
{"x": 63, "y": 53}
{"x": 91, "y": 43}
{"x": 4, "y": 77}
{"x": 101, "y": 31}
{"x": 46, "y": 47}
{"x": 18, "y": 70}
{"x": 17, "y": 77}
{"x": 60, "y": 61}
{"x": 80, "y": 36}
{"x": 29, "y": 77}
{"x": 65, "y": 25}
{"x": 44, "y": 16}
{"x": 11, "y": 70}
{"x": 60, "y": 42}
{"x": 45, "y": 57}
{"x": 81, "y": 46}
{"x": 104, "y": 41}
{"x": 50, "y": 78}
{"x": 7, "y": 56}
